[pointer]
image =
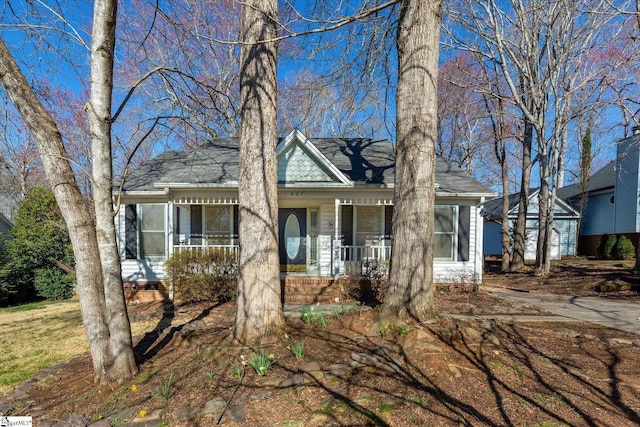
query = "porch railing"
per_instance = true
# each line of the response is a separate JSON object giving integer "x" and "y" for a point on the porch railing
{"x": 227, "y": 251}
{"x": 365, "y": 253}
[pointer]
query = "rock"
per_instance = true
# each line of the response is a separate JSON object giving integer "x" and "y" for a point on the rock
{"x": 429, "y": 347}
{"x": 590, "y": 337}
{"x": 619, "y": 341}
{"x": 339, "y": 370}
{"x": 185, "y": 414}
{"x": 566, "y": 331}
{"x": 489, "y": 324}
{"x": 259, "y": 395}
{"x": 636, "y": 343}
{"x": 450, "y": 334}
{"x": 100, "y": 423}
{"x": 310, "y": 367}
{"x": 237, "y": 413}
{"x": 292, "y": 381}
{"x": 6, "y": 409}
{"x": 455, "y": 371}
{"x": 272, "y": 382}
{"x": 124, "y": 414}
{"x": 473, "y": 334}
{"x": 74, "y": 420}
{"x": 356, "y": 365}
{"x": 373, "y": 330}
{"x": 492, "y": 339}
{"x": 214, "y": 406}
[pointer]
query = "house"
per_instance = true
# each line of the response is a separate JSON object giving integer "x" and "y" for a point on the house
{"x": 335, "y": 206}
{"x": 5, "y": 227}
{"x": 564, "y": 230}
{"x": 612, "y": 197}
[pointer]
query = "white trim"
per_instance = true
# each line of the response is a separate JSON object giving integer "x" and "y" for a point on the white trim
{"x": 365, "y": 201}
{"x": 204, "y": 200}
{"x": 296, "y": 135}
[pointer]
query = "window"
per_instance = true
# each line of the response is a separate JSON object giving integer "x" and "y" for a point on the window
{"x": 217, "y": 225}
{"x": 152, "y": 230}
{"x": 368, "y": 224}
{"x": 446, "y": 220}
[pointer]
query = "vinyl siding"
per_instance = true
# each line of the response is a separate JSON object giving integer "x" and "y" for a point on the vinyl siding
{"x": 598, "y": 215}
{"x": 626, "y": 188}
{"x": 461, "y": 271}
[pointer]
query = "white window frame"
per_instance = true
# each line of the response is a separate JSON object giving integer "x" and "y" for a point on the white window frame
{"x": 454, "y": 233}
{"x": 140, "y": 231}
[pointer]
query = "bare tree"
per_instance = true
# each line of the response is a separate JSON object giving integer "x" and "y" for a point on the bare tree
{"x": 99, "y": 287}
{"x": 259, "y": 308}
{"x": 410, "y": 291}
{"x": 99, "y": 113}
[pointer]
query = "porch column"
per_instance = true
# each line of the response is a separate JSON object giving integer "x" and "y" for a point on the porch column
{"x": 170, "y": 234}
{"x": 335, "y": 262}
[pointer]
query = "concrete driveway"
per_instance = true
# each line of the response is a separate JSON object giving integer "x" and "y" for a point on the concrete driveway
{"x": 622, "y": 315}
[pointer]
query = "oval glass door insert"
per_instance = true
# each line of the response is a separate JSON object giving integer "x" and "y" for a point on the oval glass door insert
{"x": 292, "y": 236}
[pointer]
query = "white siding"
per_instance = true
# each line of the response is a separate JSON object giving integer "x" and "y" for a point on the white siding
{"x": 327, "y": 230}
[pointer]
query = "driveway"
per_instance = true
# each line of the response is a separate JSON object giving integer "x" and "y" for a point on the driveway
{"x": 617, "y": 314}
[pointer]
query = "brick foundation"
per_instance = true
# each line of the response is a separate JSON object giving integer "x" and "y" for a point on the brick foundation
{"x": 145, "y": 292}
{"x": 311, "y": 290}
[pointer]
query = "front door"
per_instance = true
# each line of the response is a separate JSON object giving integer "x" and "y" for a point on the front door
{"x": 293, "y": 239}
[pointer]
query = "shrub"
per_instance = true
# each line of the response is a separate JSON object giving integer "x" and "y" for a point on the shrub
{"x": 203, "y": 275}
{"x": 40, "y": 241}
{"x": 624, "y": 249}
{"x": 606, "y": 244}
{"x": 368, "y": 284}
{"x": 53, "y": 284}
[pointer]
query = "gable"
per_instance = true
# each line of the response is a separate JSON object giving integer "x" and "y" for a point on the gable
{"x": 300, "y": 161}
{"x": 296, "y": 164}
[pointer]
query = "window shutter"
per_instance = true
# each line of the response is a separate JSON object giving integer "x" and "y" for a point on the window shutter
{"x": 130, "y": 232}
{"x": 236, "y": 221}
{"x": 347, "y": 225}
{"x": 464, "y": 225}
{"x": 388, "y": 217}
{"x": 196, "y": 224}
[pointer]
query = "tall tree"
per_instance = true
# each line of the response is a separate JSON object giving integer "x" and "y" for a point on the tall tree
{"x": 103, "y": 312}
{"x": 410, "y": 291}
{"x": 259, "y": 307}
{"x": 99, "y": 113}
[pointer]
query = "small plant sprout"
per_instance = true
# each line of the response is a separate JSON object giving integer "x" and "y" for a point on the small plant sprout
{"x": 322, "y": 321}
{"x": 297, "y": 348}
{"x": 383, "y": 330}
{"x": 403, "y": 329}
{"x": 307, "y": 314}
{"x": 261, "y": 362}
{"x": 164, "y": 388}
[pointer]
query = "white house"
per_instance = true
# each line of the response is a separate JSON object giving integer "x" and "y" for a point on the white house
{"x": 335, "y": 206}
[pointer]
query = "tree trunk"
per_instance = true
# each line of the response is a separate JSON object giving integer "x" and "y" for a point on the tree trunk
{"x": 99, "y": 114}
{"x": 505, "y": 231}
{"x": 73, "y": 208}
{"x": 517, "y": 262}
{"x": 410, "y": 291}
{"x": 259, "y": 311}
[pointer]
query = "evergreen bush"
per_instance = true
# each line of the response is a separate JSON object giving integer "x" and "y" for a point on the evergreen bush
{"x": 606, "y": 245}
{"x": 53, "y": 284}
{"x": 206, "y": 274}
{"x": 624, "y": 249}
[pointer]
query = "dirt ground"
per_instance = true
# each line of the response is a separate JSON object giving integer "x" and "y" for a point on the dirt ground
{"x": 522, "y": 374}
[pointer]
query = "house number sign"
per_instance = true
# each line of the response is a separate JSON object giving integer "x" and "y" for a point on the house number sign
{"x": 297, "y": 193}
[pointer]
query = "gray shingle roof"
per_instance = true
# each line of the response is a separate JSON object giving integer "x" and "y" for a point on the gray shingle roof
{"x": 602, "y": 179}
{"x": 364, "y": 161}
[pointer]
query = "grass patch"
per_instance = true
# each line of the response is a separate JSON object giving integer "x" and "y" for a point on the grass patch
{"x": 26, "y": 307}
{"x": 38, "y": 335}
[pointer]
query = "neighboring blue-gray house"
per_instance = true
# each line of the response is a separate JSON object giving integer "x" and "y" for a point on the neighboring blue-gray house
{"x": 564, "y": 232}
{"x": 335, "y": 201}
{"x": 613, "y": 195}
{"x": 5, "y": 226}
